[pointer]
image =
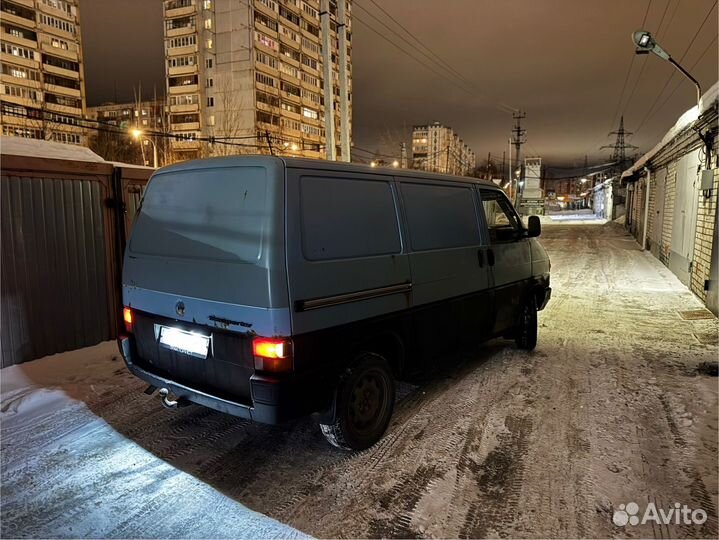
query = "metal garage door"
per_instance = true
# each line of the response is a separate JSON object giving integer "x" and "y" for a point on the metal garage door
{"x": 54, "y": 282}
{"x": 656, "y": 237}
{"x": 685, "y": 216}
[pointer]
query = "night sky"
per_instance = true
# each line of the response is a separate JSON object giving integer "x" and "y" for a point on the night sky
{"x": 564, "y": 62}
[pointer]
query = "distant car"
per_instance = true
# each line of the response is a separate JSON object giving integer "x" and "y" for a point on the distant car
{"x": 272, "y": 288}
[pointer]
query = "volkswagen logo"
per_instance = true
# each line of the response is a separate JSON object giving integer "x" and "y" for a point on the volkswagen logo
{"x": 180, "y": 308}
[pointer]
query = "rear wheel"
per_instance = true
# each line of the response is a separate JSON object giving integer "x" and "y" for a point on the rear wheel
{"x": 526, "y": 336}
{"x": 364, "y": 402}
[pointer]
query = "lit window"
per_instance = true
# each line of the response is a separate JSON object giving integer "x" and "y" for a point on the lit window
{"x": 208, "y": 24}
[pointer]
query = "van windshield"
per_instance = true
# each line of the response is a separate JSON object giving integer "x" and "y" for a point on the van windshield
{"x": 216, "y": 214}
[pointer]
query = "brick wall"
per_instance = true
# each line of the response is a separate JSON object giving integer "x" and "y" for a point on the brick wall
{"x": 670, "y": 191}
{"x": 705, "y": 234}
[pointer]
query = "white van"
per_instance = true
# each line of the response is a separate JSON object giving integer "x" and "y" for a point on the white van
{"x": 270, "y": 288}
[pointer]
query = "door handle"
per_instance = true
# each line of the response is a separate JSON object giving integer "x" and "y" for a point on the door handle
{"x": 490, "y": 257}
{"x": 480, "y": 258}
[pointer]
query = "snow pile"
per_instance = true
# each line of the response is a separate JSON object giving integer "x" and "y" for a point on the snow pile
{"x": 76, "y": 463}
{"x": 708, "y": 100}
{"x": 19, "y": 146}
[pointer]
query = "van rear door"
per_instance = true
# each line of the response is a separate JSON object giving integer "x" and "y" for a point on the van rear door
{"x": 206, "y": 257}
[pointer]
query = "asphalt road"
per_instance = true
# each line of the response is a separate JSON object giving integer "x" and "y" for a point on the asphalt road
{"x": 614, "y": 406}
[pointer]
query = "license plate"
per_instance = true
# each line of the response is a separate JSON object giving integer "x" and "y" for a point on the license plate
{"x": 184, "y": 342}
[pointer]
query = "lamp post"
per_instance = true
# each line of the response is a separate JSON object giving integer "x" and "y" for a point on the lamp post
{"x": 645, "y": 44}
{"x": 138, "y": 135}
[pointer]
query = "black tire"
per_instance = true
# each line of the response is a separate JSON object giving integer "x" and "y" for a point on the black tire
{"x": 364, "y": 403}
{"x": 526, "y": 337}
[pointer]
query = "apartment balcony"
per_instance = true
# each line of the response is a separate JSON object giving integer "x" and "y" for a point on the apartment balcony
{"x": 184, "y": 145}
{"x": 61, "y": 71}
{"x": 71, "y": 111}
{"x": 264, "y": 68}
{"x": 182, "y": 31}
{"x": 61, "y": 53}
{"x": 309, "y": 52}
{"x": 27, "y": 43}
{"x": 287, "y": 40}
{"x": 182, "y": 70}
{"x": 19, "y": 21}
{"x": 20, "y": 121}
{"x": 184, "y": 89}
{"x": 68, "y": 36}
{"x": 182, "y": 51}
{"x": 63, "y": 90}
{"x": 262, "y": 8}
{"x": 188, "y": 108}
{"x": 181, "y": 11}
{"x": 189, "y": 126}
{"x": 269, "y": 108}
{"x": 19, "y": 81}
{"x": 25, "y": 102}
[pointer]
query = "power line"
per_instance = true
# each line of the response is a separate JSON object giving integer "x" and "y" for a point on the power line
{"x": 679, "y": 83}
{"x": 355, "y": 17}
{"x": 649, "y": 113}
{"x": 440, "y": 60}
{"x": 462, "y": 86}
{"x": 644, "y": 62}
{"x": 440, "y": 63}
{"x": 629, "y": 71}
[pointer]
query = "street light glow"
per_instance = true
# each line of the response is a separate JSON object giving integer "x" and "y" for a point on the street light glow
{"x": 395, "y": 163}
{"x": 136, "y": 133}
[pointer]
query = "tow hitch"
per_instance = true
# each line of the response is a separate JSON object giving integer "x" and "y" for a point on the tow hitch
{"x": 166, "y": 401}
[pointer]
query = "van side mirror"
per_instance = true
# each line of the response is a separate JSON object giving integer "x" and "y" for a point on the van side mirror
{"x": 534, "y": 227}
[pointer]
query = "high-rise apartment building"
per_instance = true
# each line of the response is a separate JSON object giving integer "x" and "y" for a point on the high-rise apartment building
{"x": 248, "y": 76}
{"x": 438, "y": 148}
{"x": 42, "y": 87}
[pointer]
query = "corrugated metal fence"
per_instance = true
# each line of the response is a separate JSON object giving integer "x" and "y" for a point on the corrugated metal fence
{"x": 62, "y": 232}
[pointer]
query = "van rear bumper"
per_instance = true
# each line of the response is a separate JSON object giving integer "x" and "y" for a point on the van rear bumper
{"x": 269, "y": 405}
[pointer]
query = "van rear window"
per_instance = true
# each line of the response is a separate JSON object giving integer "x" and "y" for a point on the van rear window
{"x": 343, "y": 218}
{"x": 218, "y": 214}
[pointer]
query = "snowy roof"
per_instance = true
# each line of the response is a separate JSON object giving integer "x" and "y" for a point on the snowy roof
{"x": 20, "y": 146}
{"x": 685, "y": 120}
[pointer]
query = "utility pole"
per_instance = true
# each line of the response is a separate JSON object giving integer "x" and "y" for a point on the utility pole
{"x": 403, "y": 156}
{"x": 504, "y": 159}
{"x": 344, "y": 93}
{"x": 620, "y": 147}
{"x": 519, "y": 137}
{"x": 330, "y": 147}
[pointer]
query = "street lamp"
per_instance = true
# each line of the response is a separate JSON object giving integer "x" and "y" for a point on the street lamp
{"x": 138, "y": 135}
{"x": 645, "y": 44}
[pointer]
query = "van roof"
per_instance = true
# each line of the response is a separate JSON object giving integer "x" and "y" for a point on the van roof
{"x": 317, "y": 164}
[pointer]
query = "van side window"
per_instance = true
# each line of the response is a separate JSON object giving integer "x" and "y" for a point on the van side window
{"x": 502, "y": 221}
{"x": 440, "y": 217}
{"x": 345, "y": 217}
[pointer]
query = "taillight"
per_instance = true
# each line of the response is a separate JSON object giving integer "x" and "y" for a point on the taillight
{"x": 272, "y": 354}
{"x": 127, "y": 317}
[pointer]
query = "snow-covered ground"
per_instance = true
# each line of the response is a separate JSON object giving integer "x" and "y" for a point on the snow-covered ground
{"x": 613, "y": 407}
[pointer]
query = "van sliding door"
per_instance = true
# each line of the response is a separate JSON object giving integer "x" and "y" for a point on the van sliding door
{"x": 344, "y": 252}
{"x": 451, "y": 296}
